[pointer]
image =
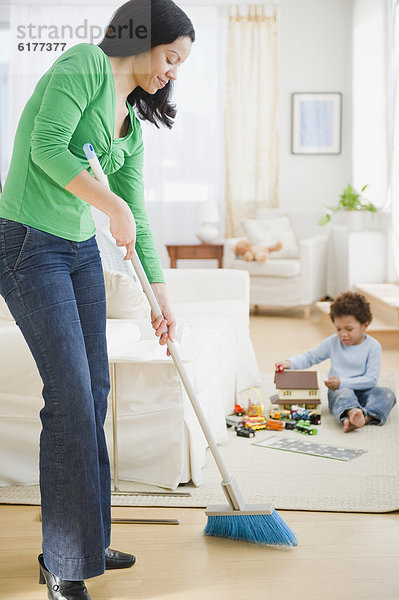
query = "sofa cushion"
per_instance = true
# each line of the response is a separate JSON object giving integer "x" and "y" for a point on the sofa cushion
{"x": 284, "y": 267}
{"x": 125, "y": 297}
{"x": 266, "y": 232}
{"x": 121, "y": 333}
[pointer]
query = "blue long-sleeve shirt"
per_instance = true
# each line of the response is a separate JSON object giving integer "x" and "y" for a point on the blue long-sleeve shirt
{"x": 358, "y": 367}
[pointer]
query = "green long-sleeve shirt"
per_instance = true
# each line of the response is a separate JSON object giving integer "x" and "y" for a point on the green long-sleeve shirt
{"x": 72, "y": 104}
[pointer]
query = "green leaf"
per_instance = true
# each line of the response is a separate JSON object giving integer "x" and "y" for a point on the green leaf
{"x": 370, "y": 207}
{"x": 349, "y": 199}
{"x": 324, "y": 220}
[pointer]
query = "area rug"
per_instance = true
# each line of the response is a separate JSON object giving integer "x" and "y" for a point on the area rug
{"x": 369, "y": 483}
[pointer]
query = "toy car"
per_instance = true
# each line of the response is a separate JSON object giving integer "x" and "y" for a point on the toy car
{"x": 238, "y": 410}
{"x": 300, "y": 414}
{"x": 274, "y": 425}
{"x": 254, "y": 419}
{"x": 255, "y": 423}
{"x": 315, "y": 419}
{"x": 285, "y": 414}
{"x": 276, "y": 414}
{"x": 244, "y": 432}
{"x": 238, "y": 426}
{"x": 256, "y": 427}
{"x": 304, "y": 427}
{"x": 230, "y": 421}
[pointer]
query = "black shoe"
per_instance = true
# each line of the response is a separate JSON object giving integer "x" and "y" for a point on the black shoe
{"x": 118, "y": 560}
{"x": 60, "y": 589}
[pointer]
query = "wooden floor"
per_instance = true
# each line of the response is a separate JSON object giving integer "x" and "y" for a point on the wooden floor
{"x": 340, "y": 556}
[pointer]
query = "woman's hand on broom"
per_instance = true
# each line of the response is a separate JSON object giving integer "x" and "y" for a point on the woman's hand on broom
{"x": 123, "y": 229}
{"x": 165, "y": 324}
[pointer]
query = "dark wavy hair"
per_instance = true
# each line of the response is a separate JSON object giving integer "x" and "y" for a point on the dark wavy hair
{"x": 351, "y": 304}
{"x": 126, "y": 36}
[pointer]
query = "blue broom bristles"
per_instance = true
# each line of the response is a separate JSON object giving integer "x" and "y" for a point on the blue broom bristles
{"x": 270, "y": 530}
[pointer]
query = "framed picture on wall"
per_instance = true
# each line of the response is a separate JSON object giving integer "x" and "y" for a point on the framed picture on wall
{"x": 316, "y": 123}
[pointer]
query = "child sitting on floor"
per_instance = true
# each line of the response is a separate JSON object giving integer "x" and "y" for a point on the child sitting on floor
{"x": 353, "y": 396}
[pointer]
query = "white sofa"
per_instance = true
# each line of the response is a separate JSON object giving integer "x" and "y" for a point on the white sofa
{"x": 159, "y": 439}
{"x": 296, "y": 280}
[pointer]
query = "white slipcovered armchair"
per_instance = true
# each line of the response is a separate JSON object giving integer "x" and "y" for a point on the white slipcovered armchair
{"x": 294, "y": 276}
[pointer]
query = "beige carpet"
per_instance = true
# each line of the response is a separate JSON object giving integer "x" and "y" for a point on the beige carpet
{"x": 369, "y": 483}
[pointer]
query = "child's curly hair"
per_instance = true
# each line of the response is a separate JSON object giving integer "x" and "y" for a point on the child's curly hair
{"x": 351, "y": 304}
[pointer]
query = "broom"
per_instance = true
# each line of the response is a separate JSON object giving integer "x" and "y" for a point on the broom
{"x": 258, "y": 523}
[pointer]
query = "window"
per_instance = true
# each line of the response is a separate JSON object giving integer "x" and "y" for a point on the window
{"x": 184, "y": 164}
{"x": 369, "y": 100}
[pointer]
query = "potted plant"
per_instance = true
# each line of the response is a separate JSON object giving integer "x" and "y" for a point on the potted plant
{"x": 352, "y": 203}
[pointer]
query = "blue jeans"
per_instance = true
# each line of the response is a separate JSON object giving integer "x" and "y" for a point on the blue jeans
{"x": 376, "y": 402}
{"x": 54, "y": 289}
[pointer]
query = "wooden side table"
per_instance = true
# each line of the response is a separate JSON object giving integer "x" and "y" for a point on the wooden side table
{"x": 195, "y": 251}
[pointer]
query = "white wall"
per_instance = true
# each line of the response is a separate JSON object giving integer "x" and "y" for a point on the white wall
{"x": 315, "y": 56}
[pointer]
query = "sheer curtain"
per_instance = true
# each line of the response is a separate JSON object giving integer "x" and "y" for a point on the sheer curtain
{"x": 393, "y": 134}
{"x": 250, "y": 118}
{"x": 376, "y": 92}
{"x": 370, "y": 143}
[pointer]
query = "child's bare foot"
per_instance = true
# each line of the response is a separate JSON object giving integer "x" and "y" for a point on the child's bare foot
{"x": 348, "y": 426}
{"x": 354, "y": 419}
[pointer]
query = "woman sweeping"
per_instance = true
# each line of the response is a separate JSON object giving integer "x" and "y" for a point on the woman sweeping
{"x": 50, "y": 269}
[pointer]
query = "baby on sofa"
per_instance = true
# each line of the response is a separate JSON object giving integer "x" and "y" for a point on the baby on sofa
{"x": 353, "y": 395}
